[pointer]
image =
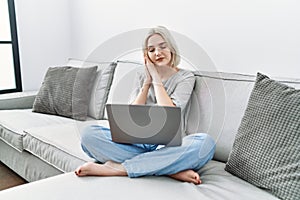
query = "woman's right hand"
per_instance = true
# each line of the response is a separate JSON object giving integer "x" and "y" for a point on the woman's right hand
{"x": 148, "y": 79}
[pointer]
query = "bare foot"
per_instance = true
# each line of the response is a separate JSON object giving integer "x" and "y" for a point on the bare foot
{"x": 187, "y": 176}
{"x": 109, "y": 168}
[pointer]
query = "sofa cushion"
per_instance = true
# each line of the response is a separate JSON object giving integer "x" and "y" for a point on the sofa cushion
{"x": 13, "y": 122}
{"x": 266, "y": 150}
{"x": 217, "y": 184}
{"x": 66, "y": 91}
{"x": 101, "y": 87}
{"x": 123, "y": 82}
{"x": 218, "y": 104}
{"x": 59, "y": 145}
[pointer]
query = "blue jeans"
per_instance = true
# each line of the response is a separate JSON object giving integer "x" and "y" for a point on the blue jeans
{"x": 145, "y": 159}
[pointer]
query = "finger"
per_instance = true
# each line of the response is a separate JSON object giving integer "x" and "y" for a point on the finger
{"x": 148, "y": 73}
{"x": 148, "y": 60}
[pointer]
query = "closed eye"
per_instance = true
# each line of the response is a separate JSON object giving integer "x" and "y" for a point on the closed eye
{"x": 161, "y": 46}
{"x": 151, "y": 49}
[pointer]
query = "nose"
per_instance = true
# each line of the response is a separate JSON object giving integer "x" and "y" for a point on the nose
{"x": 157, "y": 51}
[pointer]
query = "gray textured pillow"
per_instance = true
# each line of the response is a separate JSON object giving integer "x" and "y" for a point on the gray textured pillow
{"x": 266, "y": 150}
{"x": 66, "y": 92}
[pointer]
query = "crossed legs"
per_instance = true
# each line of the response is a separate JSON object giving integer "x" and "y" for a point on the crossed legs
{"x": 179, "y": 163}
{"x": 111, "y": 168}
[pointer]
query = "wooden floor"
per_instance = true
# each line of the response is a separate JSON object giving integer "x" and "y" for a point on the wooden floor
{"x": 8, "y": 178}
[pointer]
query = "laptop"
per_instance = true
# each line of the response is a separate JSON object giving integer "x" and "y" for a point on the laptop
{"x": 145, "y": 124}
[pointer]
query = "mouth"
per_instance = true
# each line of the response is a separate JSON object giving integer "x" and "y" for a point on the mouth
{"x": 159, "y": 59}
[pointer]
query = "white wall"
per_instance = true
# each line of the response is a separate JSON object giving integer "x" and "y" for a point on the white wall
{"x": 238, "y": 36}
{"x": 44, "y": 37}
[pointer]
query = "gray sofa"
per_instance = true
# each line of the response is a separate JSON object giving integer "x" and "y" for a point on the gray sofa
{"x": 38, "y": 146}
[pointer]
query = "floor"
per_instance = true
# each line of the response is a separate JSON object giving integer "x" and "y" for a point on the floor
{"x": 8, "y": 178}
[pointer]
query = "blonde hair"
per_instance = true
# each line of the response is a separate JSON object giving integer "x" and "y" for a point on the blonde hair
{"x": 166, "y": 35}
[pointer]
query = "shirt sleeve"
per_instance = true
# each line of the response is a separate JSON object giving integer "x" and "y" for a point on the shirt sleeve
{"x": 183, "y": 90}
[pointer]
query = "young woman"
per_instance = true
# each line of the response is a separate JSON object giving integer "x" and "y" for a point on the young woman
{"x": 163, "y": 83}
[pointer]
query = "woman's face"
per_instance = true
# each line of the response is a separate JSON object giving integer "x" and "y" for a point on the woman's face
{"x": 158, "y": 51}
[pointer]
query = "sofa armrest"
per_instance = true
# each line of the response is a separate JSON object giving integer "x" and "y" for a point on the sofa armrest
{"x": 17, "y": 100}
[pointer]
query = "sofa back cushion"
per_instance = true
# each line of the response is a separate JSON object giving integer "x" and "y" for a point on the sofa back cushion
{"x": 101, "y": 87}
{"x": 123, "y": 82}
{"x": 218, "y": 104}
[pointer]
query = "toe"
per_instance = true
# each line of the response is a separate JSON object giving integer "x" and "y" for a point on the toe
{"x": 78, "y": 171}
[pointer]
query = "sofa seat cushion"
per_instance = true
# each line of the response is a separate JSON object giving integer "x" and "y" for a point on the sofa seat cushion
{"x": 13, "y": 122}
{"x": 217, "y": 184}
{"x": 59, "y": 145}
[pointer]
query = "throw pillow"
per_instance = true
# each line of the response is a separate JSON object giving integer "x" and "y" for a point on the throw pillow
{"x": 266, "y": 150}
{"x": 66, "y": 92}
{"x": 101, "y": 88}
{"x": 100, "y": 91}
